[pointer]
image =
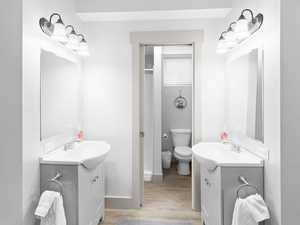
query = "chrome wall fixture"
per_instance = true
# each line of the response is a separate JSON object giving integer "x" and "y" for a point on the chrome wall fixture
{"x": 239, "y": 31}
{"x": 180, "y": 102}
{"x": 56, "y": 29}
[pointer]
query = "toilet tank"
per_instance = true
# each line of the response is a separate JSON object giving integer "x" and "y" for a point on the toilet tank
{"x": 181, "y": 137}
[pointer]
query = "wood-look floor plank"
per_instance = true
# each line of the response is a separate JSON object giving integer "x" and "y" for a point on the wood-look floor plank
{"x": 170, "y": 200}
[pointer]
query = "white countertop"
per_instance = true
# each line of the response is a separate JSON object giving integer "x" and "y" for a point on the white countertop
{"x": 87, "y": 153}
{"x": 222, "y": 155}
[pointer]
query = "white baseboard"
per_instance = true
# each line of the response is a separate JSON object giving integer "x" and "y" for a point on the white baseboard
{"x": 157, "y": 178}
{"x": 119, "y": 202}
{"x": 147, "y": 176}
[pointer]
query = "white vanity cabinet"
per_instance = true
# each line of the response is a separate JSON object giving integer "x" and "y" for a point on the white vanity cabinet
{"x": 83, "y": 191}
{"x": 218, "y": 190}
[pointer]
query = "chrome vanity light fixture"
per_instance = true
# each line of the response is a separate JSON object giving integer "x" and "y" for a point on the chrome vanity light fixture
{"x": 230, "y": 37}
{"x": 222, "y": 48}
{"x": 56, "y": 30}
{"x": 73, "y": 39}
{"x": 83, "y": 46}
{"x": 64, "y": 34}
{"x": 239, "y": 31}
{"x": 59, "y": 31}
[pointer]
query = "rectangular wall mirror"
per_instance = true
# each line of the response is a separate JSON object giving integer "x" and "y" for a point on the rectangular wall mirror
{"x": 244, "y": 94}
{"x": 60, "y": 80}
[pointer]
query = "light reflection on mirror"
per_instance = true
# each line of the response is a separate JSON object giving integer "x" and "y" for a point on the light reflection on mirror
{"x": 244, "y": 94}
{"x": 59, "y": 95}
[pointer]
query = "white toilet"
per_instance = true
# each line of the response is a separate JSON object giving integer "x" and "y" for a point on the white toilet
{"x": 182, "y": 151}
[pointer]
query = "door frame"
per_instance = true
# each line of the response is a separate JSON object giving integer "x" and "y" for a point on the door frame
{"x": 160, "y": 38}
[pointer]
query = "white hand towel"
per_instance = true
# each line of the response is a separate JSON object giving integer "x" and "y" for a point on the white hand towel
{"x": 258, "y": 208}
{"x": 250, "y": 211}
{"x": 46, "y": 201}
{"x": 51, "y": 209}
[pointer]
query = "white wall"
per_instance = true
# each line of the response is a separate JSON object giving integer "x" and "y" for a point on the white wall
{"x": 267, "y": 38}
{"x": 33, "y": 41}
{"x": 177, "y": 78}
{"x": 157, "y": 103}
{"x": 141, "y": 5}
{"x": 148, "y": 114}
{"x": 108, "y": 79}
{"x": 177, "y": 72}
{"x": 11, "y": 113}
{"x": 173, "y": 118}
{"x": 148, "y": 123}
{"x": 290, "y": 113}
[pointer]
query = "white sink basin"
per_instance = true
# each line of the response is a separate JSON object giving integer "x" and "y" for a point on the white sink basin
{"x": 219, "y": 154}
{"x": 86, "y": 153}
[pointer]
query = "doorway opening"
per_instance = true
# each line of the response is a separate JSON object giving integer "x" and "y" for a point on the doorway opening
{"x": 167, "y": 127}
{"x": 139, "y": 40}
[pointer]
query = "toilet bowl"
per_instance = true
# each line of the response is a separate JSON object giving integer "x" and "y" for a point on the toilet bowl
{"x": 184, "y": 156}
{"x": 182, "y": 151}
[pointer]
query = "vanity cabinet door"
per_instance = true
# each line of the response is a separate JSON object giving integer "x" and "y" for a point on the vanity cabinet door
{"x": 98, "y": 194}
{"x": 204, "y": 195}
{"x": 70, "y": 191}
{"x": 211, "y": 196}
{"x": 99, "y": 186}
{"x": 91, "y": 195}
{"x": 83, "y": 192}
{"x": 230, "y": 183}
{"x": 86, "y": 185}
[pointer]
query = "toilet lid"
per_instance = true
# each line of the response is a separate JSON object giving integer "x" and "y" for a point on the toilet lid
{"x": 184, "y": 151}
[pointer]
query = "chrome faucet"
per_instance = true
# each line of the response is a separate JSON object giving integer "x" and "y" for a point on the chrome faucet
{"x": 235, "y": 147}
{"x": 69, "y": 145}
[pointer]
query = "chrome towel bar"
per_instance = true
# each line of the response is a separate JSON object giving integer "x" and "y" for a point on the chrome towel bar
{"x": 55, "y": 180}
{"x": 245, "y": 184}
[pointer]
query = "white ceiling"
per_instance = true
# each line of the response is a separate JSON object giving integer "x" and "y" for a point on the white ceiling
{"x": 148, "y": 5}
{"x": 154, "y": 15}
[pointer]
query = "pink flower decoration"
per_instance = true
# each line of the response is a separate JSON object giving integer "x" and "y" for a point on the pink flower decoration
{"x": 224, "y": 136}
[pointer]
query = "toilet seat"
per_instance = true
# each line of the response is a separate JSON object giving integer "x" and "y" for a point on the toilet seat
{"x": 183, "y": 151}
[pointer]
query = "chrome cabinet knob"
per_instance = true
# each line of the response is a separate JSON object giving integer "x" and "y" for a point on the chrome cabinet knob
{"x": 207, "y": 182}
{"x": 95, "y": 179}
